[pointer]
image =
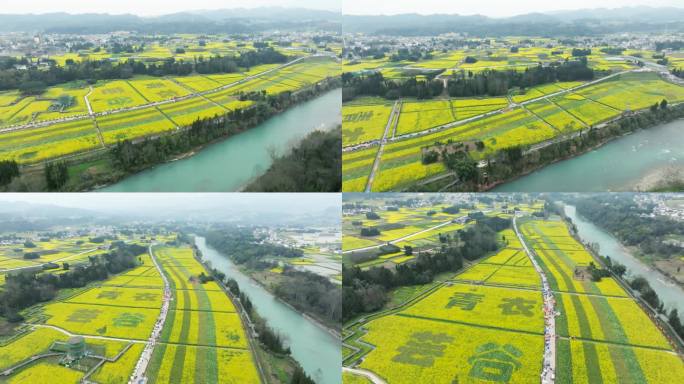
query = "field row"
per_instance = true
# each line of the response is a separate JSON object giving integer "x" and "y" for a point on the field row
{"x": 64, "y": 138}
{"x": 209, "y": 342}
{"x": 401, "y": 162}
{"x": 609, "y": 336}
{"x": 203, "y": 339}
{"x": 487, "y": 325}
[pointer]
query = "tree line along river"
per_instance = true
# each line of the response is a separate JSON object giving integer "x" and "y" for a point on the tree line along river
{"x": 621, "y": 164}
{"x": 319, "y": 353}
{"x": 232, "y": 163}
{"x": 669, "y": 292}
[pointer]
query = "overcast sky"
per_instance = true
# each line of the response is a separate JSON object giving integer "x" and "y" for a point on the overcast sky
{"x": 494, "y": 8}
{"x": 127, "y": 202}
{"x": 152, "y": 7}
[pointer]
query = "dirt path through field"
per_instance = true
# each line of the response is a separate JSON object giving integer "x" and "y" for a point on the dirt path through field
{"x": 367, "y": 374}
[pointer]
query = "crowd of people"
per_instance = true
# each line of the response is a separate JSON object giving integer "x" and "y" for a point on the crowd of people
{"x": 548, "y": 374}
{"x": 138, "y": 376}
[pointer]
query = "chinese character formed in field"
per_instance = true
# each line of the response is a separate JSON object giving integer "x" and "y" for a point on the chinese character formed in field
{"x": 422, "y": 348}
{"x": 464, "y": 300}
{"x": 129, "y": 319}
{"x": 517, "y": 306}
{"x": 111, "y": 295}
{"x": 494, "y": 363}
{"x": 145, "y": 296}
{"x": 83, "y": 315}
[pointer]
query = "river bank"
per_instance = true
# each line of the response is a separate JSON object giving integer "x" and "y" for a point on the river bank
{"x": 645, "y": 159}
{"x": 96, "y": 170}
{"x": 271, "y": 366}
{"x": 229, "y": 164}
{"x": 263, "y": 282}
{"x": 317, "y": 350}
{"x": 671, "y": 293}
{"x": 627, "y": 259}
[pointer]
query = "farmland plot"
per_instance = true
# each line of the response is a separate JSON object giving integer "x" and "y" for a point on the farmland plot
{"x": 362, "y": 123}
{"x": 158, "y": 89}
{"x": 114, "y": 95}
{"x": 419, "y": 116}
{"x": 203, "y": 337}
{"x": 587, "y": 111}
{"x": 102, "y": 320}
{"x": 134, "y": 124}
{"x": 356, "y": 166}
{"x": 625, "y": 333}
{"x": 643, "y": 364}
{"x": 634, "y": 91}
{"x": 197, "y": 83}
{"x": 32, "y": 145}
{"x": 55, "y": 103}
{"x": 38, "y": 144}
{"x": 510, "y": 309}
{"x": 409, "y": 350}
{"x": 184, "y": 113}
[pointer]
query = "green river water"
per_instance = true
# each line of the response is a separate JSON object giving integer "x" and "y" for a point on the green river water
{"x": 617, "y": 166}
{"x": 670, "y": 293}
{"x": 319, "y": 353}
{"x": 230, "y": 164}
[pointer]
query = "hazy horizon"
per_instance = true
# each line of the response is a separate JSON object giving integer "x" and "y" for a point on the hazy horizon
{"x": 132, "y": 202}
{"x": 157, "y": 7}
{"x": 491, "y": 8}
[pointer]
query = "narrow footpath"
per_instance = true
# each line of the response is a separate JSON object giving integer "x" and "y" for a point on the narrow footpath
{"x": 138, "y": 376}
{"x": 367, "y": 374}
{"x": 394, "y": 115}
{"x": 548, "y": 375}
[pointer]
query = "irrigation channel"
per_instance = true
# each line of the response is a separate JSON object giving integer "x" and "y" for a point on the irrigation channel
{"x": 319, "y": 353}
{"x": 669, "y": 292}
{"x": 631, "y": 162}
{"x": 230, "y": 164}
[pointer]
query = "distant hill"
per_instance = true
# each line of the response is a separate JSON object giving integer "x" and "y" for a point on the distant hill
{"x": 566, "y": 23}
{"x": 206, "y": 21}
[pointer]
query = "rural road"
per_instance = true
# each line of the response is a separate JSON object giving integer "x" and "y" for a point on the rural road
{"x": 53, "y": 261}
{"x": 64, "y": 331}
{"x": 482, "y": 116}
{"x": 406, "y": 237}
{"x": 367, "y": 374}
{"x": 548, "y": 375}
{"x": 396, "y": 108}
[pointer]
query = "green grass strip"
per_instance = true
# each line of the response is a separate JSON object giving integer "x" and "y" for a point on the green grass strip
{"x": 179, "y": 358}
{"x": 206, "y": 364}
{"x": 155, "y": 362}
{"x": 563, "y": 362}
{"x": 625, "y": 360}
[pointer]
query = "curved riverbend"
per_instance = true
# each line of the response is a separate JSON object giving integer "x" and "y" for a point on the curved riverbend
{"x": 319, "y": 353}
{"x": 670, "y": 293}
{"x": 623, "y": 164}
{"x": 230, "y": 164}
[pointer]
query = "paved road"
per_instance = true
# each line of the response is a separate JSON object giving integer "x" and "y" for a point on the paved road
{"x": 367, "y": 374}
{"x": 548, "y": 374}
